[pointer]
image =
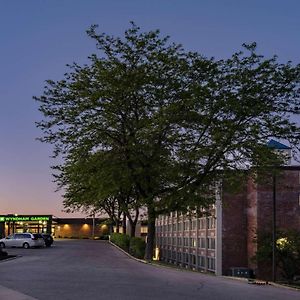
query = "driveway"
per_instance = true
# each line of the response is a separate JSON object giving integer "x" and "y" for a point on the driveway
{"x": 85, "y": 269}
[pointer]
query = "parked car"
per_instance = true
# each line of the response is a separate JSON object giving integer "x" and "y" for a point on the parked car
{"x": 48, "y": 239}
{"x": 25, "y": 240}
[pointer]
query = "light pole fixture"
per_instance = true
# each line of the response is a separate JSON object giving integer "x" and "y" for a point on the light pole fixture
{"x": 274, "y": 231}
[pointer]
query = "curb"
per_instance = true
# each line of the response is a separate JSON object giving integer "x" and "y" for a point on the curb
{"x": 8, "y": 259}
{"x": 284, "y": 286}
{"x": 7, "y": 293}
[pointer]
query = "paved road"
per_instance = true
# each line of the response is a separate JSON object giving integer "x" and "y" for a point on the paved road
{"x": 84, "y": 269}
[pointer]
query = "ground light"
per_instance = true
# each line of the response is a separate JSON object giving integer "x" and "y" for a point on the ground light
{"x": 156, "y": 257}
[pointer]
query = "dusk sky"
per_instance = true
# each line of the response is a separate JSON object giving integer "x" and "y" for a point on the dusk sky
{"x": 38, "y": 38}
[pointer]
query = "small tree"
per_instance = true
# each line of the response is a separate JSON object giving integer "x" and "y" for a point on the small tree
{"x": 287, "y": 252}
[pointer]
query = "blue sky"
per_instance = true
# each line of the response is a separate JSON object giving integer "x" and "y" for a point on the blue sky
{"x": 38, "y": 38}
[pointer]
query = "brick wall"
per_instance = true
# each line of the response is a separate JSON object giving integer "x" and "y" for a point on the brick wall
{"x": 234, "y": 230}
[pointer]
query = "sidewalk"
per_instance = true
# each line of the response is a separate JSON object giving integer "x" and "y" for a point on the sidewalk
{"x": 8, "y": 294}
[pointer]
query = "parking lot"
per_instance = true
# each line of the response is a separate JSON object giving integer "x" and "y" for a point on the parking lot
{"x": 86, "y": 269}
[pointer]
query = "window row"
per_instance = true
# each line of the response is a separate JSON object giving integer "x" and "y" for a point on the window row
{"x": 210, "y": 242}
{"x": 203, "y": 223}
{"x": 190, "y": 259}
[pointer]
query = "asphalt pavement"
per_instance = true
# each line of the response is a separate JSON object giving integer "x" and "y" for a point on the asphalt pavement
{"x": 86, "y": 269}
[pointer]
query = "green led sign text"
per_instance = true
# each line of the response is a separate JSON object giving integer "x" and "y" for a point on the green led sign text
{"x": 23, "y": 218}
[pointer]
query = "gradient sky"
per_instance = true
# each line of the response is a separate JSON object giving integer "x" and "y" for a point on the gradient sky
{"x": 38, "y": 38}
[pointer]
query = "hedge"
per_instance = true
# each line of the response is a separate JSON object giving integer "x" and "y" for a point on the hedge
{"x": 137, "y": 247}
{"x": 133, "y": 245}
{"x": 121, "y": 240}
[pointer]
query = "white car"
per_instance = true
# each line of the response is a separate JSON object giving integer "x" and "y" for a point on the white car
{"x": 25, "y": 240}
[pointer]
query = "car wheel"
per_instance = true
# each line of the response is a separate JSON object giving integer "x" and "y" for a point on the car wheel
{"x": 26, "y": 245}
{"x": 2, "y": 245}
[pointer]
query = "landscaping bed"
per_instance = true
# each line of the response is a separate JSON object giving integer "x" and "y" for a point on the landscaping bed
{"x": 4, "y": 257}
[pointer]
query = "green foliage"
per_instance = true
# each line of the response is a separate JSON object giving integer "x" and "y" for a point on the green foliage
{"x": 133, "y": 245}
{"x": 137, "y": 247}
{"x": 287, "y": 252}
{"x": 121, "y": 240}
{"x": 148, "y": 122}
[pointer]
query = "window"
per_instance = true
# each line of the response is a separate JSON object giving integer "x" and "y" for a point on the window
{"x": 211, "y": 243}
{"x": 202, "y": 223}
{"x": 179, "y": 241}
{"x": 159, "y": 240}
{"x": 192, "y": 259}
{"x": 185, "y": 258}
{"x": 211, "y": 263}
{"x": 211, "y": 223}
{"x": 144, "y": 229}
{"x": 194, "y": 224}
{"x": 201, "y": 261}
{"x": 186, "y": 225}
{"x": 179, "y": 226}
{"x": 179, "y": 256}
{"x": 186, "y": 242}
{"x": 173, "y": 255}
{"x": 201, "y": 243}
{"x": 193, "y": 242}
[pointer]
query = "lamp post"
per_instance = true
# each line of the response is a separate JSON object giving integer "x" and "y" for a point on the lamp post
{"x": 274, "y": 231}
{"x": 93, "y": 229}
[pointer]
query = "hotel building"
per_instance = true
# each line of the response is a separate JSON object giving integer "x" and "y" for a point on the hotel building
{"x": 226, "y": 236}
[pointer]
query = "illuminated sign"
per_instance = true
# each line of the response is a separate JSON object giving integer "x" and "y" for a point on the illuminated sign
{"x": 24, "y": 218}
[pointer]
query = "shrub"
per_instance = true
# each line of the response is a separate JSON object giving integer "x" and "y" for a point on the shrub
{"x": 137, "y": 247}
{"x": 104, "y": 237}
{"x": 121, "y": 240}
{"x": 3, "y": 253}
{"x": 287, "y": 252}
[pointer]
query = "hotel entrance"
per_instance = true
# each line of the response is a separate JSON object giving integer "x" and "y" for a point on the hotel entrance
{"x": 25, "y": 223}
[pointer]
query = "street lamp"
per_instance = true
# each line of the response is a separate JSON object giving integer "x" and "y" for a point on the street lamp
{"x": 274, "y": 231}
{"x": 93, "y": 229}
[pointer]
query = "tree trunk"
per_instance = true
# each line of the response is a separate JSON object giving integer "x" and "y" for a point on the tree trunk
{"x": 117, "y": 227}
{"x": 124, "y": 223}
{"x": 111, "y": 225}
{"x": 150, "y": 234}
{"x": 132, "y": 229}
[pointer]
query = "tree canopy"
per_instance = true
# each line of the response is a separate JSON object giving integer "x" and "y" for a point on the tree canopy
{"x": 149, "y": 120}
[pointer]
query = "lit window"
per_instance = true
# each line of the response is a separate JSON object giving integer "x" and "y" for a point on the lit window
{"x": 144, "y": 229}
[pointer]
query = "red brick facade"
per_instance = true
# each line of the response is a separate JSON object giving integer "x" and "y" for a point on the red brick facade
{"x": 249, "y": 213}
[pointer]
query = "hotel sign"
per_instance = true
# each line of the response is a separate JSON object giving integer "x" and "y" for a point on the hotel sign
{"x": 24, "y": 218}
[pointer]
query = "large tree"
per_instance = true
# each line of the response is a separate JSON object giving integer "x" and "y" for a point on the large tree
{"x": 171, "y": 121}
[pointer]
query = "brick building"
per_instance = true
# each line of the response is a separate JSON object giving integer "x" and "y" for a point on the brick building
{"x": 227, "y": 237}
